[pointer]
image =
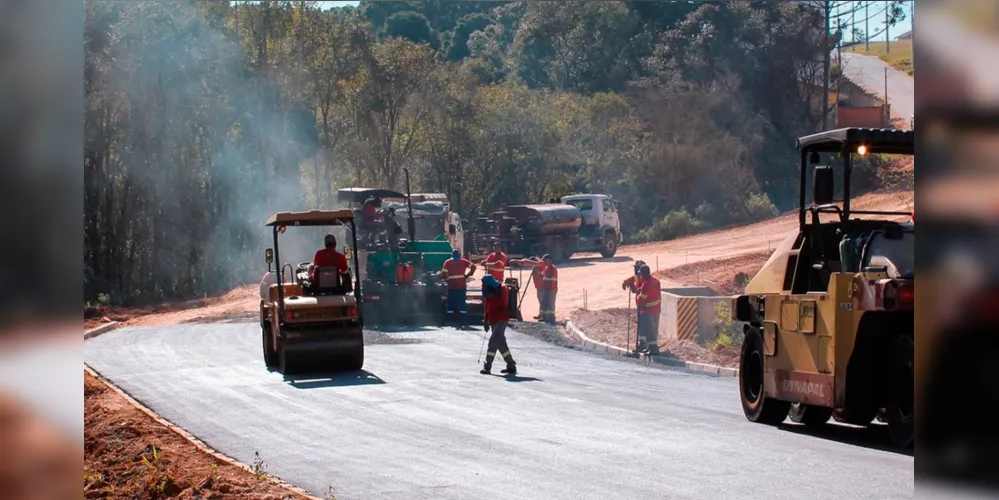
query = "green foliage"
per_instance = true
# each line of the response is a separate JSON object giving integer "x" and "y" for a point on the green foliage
{"x": 202, "y": 119}
{"x": 413, "y": 27}
{"x": 729, "y": 331}
{"x": 759, "y": 207}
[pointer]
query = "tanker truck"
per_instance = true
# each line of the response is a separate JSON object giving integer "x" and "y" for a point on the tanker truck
{"x": 580, "y": 223}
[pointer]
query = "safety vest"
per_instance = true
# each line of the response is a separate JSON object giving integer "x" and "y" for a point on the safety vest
{"x": 549, "y": 278}
{"x": 537, "y": 275}
{"x": 496, "y": 268}
{"x": 454, "y": 273}
{"x": 650, "y": 296}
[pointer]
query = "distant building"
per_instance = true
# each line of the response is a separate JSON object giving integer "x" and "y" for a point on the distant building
{"x": 905, "y": 36}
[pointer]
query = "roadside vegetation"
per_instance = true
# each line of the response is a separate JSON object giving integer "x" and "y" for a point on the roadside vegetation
{"x": 899, "y": 55}
{"x": 204, "y": 118}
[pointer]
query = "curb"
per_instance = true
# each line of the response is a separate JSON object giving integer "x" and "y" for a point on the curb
{"x": 200, "y": 445}
{"x": 101, "y": 330}
{"x": 588, "y": 343}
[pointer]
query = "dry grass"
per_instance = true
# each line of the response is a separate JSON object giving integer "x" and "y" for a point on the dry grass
{"x": 898, "y": 54}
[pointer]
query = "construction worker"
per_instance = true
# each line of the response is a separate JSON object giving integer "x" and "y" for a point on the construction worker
{"x": 495, "y": 262}
{"x": 456, "y": 272}
{"x": 648, "y": 300}
{"x": 634, "y": 281}
{"x": 497, "y": 301}
{"x": 549, "y": 287}
{"x": 328, "y": 257}
{"x": 537, "y": 266}
{"x": 392, "y": 229}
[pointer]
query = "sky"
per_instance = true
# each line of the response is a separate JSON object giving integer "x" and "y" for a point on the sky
{"x": 876, "y": 25}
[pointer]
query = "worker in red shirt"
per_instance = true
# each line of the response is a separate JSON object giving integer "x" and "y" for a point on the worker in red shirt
{"x": 497, "y": 306}
{"x": 496, "y": 262}
{"x": 635, "y": 281}
{"x": 537, "y": 266}
{"x": 456, "y": 272}
{"x": 549, "y": 289}
{"x": 648, "y": 299}
{"x": 328, "y": 257}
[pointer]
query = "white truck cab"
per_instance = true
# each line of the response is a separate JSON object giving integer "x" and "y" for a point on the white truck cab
{"x": 601, "y": 229}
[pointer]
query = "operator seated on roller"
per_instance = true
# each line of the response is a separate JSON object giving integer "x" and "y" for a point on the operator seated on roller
{"x": 327, "y": 257}
{"x": 456, "y": 272}
{"x": 496, "y": 299}
{"x": 648, "y": 299}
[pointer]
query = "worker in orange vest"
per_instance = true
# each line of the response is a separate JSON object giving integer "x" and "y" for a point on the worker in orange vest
{"x": 495, "y": 263}
{"x": 496, "y": 302}
{"x": 549, "y": 289}
{"x": 456, "y": 272}
{"x": 648, "y": 299}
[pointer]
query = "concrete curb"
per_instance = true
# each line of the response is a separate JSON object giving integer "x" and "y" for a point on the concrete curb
{"x": 101, "y": 330}
{"x": 200, "y": 445}
{"x": 588, "y": 343}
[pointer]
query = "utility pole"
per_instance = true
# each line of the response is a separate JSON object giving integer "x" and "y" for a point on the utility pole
{"x": 825, "y": 73}
{"x": 867, "y": 27}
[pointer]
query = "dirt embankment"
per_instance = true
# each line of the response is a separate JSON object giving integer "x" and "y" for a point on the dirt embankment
{"x": 129, "y": 455}
{"x": 239, "y": 304}
{"x": 611, "y": 326}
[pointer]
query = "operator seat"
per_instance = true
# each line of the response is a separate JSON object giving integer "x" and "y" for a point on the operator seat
{"x": 329, "y": 281}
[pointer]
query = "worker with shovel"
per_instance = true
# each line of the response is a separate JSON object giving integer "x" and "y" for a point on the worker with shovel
{"x": 546, "y": 281}
{"x": 648, "y": 299}
{"x": 537, "y": 266}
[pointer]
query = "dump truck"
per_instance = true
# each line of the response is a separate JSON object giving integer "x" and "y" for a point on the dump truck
{"x": 829, "y": 318}
{"x": 311, "y": 319}
{"x": 577, "y": 224}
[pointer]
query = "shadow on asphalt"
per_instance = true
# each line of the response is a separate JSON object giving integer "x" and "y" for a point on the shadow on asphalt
{"x": 874, "y": 437}
{"x": 320, "y": 380}
{"x": 589, "y": 261}
{"x": 400, "y": 328}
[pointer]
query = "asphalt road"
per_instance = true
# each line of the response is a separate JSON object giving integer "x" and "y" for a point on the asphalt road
{"x": 422, "y": 423}
{"x": 869, "y": 73}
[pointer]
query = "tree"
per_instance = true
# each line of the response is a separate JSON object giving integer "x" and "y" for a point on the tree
{"x": 413, "y": 27}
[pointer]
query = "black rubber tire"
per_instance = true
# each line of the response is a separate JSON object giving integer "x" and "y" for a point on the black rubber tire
{"x": 355, "y": 360}
{"x": 557, "y": 253}
{"x": 286, "y": 361}
{"x": 856, "y": 415}
{"x": 810, "y": 415}
{"x": 270, "y": 355}
{"x": 757, "y": 407}
{"x": 899, "y": 410}
{"x": 610, "y": 245}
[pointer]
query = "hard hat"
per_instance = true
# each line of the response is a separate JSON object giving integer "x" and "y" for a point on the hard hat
{"x": 546, "y": 256}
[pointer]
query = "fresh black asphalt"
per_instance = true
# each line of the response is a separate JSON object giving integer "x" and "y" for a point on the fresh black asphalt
{"x": 421, "y": 423}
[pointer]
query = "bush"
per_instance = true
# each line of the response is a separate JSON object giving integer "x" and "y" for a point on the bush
{"x": 675, "y": 224}
{"x": 708, "y": 215}
{"x": 729, "y": 333}
{"x": 867, "y": 173}
{"x": 760, "y": 207}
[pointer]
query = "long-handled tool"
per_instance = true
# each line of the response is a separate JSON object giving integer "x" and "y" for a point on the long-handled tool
{"x": 483, "y": 346}
{"x": 627, "y": 344}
